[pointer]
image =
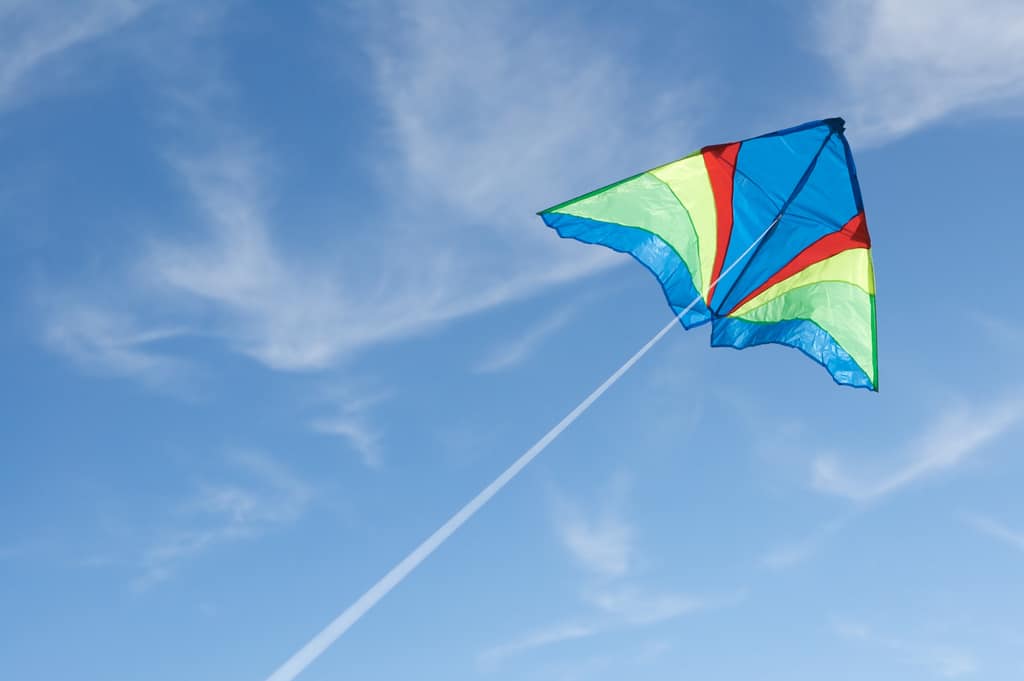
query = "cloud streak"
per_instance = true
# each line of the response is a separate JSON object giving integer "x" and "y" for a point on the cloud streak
{"x": 100, "y": 340}
{"x": 602, "y": 544}
{"x": 559, "y": 633}
{"x": 514, "y": 352}
{"x": 268, "y": 496}
{"x": 905, "y": 64}
{"x": 37, "y": 33}
{"x": 946, "y": 661}
{"x": 945, "y": 443}
{"x": 461, "y": 175}
{"x": 615, "y": 609}
{"x": 794, "y": 553}
{"x": 352, "y": 424}
{"x": 993, "y": 528}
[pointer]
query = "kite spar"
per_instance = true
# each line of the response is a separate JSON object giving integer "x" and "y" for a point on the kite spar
{"x": 783, "y": 209}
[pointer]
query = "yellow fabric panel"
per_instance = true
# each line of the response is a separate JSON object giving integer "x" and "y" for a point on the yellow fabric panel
{"x": 852, "y": 266}
{"x": 688, "y": 180}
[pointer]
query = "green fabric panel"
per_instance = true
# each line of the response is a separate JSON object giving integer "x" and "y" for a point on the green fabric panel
{"x": 688, "y": 179}
{"x": 852, "y": 267}
{"x": 647, "y": 203}
{"x": 844, "y": 311}
{"x": 874, "y": 341}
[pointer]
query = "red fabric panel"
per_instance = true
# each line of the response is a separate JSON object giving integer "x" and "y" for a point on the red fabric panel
{"x": 854, "y": 234}
{"x": 720, "y": 160}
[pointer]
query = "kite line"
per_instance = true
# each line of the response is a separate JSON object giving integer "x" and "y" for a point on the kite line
{"x": 333, "y": 631}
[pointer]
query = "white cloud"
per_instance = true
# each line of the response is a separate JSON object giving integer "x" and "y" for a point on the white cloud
{"x": 352, "y": 423}
{"x": 101, "y": 340}
{"x": 37, "y": 33}
{"x": 493, "y": 110}
{"x": 517, "y": 350}
{"x": 615, "y": 608}
{"x": 601, "y": 541}
{"x": 947, "y": 661}
{"x": 789, "y": 555}
{"x": 309, "y": 311}
{"x": 273, "y": 308}
{"x": 364, "y": 440}
{"x": 907, "y": 63}
{"x": 603, "y": 546}
{"x": 490, "y": 153}
{"x": 944, "y": 444}
{"x": 794, "y": 553}
{"x": 540, "y": 638}
{"x": 1006, "y": 333}
{"x": 634, "y": 606}
{"x": 484, "y": 124}
{"x": 997, "y": 530}
{"x": 268, "y": 496}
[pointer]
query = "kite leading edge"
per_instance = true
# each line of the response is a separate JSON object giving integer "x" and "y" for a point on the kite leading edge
{"x": 765, "y": 238}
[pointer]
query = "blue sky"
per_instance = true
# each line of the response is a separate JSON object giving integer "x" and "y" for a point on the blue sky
{"x": 278, "y": 304}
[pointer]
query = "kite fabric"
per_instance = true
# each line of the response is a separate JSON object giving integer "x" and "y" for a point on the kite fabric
{"x": 764, "y": 238}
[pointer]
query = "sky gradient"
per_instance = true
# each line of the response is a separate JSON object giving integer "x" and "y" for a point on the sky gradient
{"x": 278, "y": 304}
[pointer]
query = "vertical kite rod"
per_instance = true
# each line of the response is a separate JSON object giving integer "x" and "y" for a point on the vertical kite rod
{"x": 333, "y": 631}
{"x": 785, "y": 206}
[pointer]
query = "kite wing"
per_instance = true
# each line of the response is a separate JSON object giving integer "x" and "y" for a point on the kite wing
{"x": 764, "y": 238}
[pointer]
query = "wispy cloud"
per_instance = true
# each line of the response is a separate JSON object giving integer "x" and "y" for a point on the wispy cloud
{"x": 308, "y": 311}
{"x": 1002, "y": 331}
{"x": 603, "y": 546}
{"x": 632, "y": 605}
{"x": 944, "y": 444}
{"x": 101, "y": 340}
{"x": 466, "y": 156}
{"x": 517, "y": 350}
{"x": 273, "y": 308}
{"x": 482, "y": 247}
{"x": 461, "y": 85}
{"x": 558, "y": 633}
{"x": 945, "y": 660}
{"x": 352, "y": 423}
{"x": 600, "y": 540}
{"x": 268, "y": 495}
{"x": 794, "y": 553}
{"x": 997, "y": 530}
{"x": 38, "y": 33}
{"x": 613, "y": 609}
{"x": 22, "y": 549}
{"x": 907, "y": 63}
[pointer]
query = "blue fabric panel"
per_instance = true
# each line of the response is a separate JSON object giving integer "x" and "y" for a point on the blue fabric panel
{"x": 649, "y": 249}
{"x": 828, "y": 195}
{"x": 768, "y": 169}
{"x": 824, "y": 204}
{"x": 801, "y": 334}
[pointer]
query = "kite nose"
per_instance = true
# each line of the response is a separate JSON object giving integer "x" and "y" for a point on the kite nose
{"x": 836, "y": 124}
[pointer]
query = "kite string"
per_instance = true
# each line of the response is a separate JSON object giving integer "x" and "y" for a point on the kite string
{"x": 319, "y": 643}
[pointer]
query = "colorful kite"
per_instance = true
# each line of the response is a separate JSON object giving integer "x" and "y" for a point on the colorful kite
{"x": 764, "y": 238}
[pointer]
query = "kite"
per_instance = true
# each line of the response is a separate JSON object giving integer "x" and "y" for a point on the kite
{"x": 764, "y": 238}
